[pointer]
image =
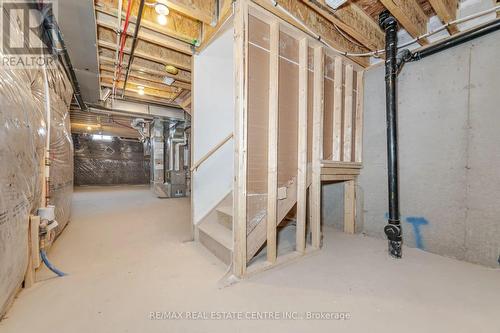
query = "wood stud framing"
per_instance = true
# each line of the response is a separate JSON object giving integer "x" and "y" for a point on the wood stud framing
{"x": 272, "y": 174}
{"x": 358, "y": 135}
{"x": 337, "y": 109}
{"x": 302, "y": 148}
{"x": 347, "y": 123}
{"x": 241, "y": 117}
{"x": 318, "y": 100}
{"x": 348, "y": 113}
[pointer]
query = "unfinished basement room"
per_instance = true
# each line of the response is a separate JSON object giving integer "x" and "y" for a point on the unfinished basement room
{"x": 249, "y": 166}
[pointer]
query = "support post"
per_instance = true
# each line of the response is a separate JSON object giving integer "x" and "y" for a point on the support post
{"x": 393, "y": 228}
{"x": 358, "y": 140}
{"x": 302, "y": 148}
{"x": 317, "y": 144}
{"x": 272, "y": 164}
{"x": 240, "y": 135}
{"x": 349, "y": 206}
{"x": 338, "y": 97}
{"x": 348, "y": 113}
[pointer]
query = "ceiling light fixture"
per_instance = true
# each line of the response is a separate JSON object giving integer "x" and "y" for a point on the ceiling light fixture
{"x": 162, "y": 19}
{"x": 89, "y": 128}
{"x": 162, "y": 11}
{"x": 140, "y": 90}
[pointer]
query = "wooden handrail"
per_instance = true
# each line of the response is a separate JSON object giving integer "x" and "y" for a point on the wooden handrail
{"x": 211, "y": 152}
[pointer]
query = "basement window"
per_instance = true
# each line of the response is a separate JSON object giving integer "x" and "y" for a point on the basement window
{"x": 101, "y": 137}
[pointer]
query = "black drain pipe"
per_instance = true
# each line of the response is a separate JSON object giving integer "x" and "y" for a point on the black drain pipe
{"x": 456, "y": 40}
{"x": 56, "y": 39}
{"x": 393, "y": 228}
{"x": 393, "y": 64}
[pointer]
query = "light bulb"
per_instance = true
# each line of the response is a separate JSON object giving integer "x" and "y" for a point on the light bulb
{"x": 162, "y": 19}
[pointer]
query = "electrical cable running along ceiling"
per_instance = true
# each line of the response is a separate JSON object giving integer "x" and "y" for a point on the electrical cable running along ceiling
{"x": 170, "y": 30}
{"x": 160, "y": 58}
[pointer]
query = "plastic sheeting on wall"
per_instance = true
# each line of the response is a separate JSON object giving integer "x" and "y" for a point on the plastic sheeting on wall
{"x": 113, "y": 162}
{"x": 61, "y": 147}
{"x": 23, "y": 130}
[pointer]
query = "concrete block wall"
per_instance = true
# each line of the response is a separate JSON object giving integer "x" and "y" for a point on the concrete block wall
{"x": 449, "y": 144}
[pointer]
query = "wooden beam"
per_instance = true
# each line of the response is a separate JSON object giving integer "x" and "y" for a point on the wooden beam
{"x": 133, "y": 88}
{"x": 148, "y": 77}
{"x": 106, "y": 20}
{"x": 140, "y": 82}
{"x": 145, "y": 66}
{"x": 446, "y": 10}
{"x": 240, "y": 135}
{"x": 186, "y": 104}
{"x": 202, "y": 10}
{"x": 353, "y": 21}
{"x": 316, "y": 23}
{"x": 349, "y": 206}
{"x": 338, "y": 102}
{"x": 178, "y": 25}
{"x": 145, "y": 50}
{"x": 410, "y": 15}
{"x": 272, "y": 155}
{"x": 302, "y": 148}
{"x": 317, "y": 145}
{"x": 358, "y": 139}
{"x": 209, "y": 32}
{"x": 348, "y": 113}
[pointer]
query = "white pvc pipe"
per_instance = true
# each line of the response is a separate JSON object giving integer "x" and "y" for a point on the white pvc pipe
{"x": 381, "y": 51}
{"x": 47, "y": 139}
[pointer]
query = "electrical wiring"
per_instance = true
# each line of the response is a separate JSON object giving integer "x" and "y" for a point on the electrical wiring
{"x": 378, "y": 53}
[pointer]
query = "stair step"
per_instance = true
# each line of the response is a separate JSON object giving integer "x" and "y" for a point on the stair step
{"x": 217, "y": 239}
{"x": 225, "y": 216}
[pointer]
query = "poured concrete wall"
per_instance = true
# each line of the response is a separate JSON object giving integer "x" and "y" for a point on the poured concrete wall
{"x": 449, "y": 144}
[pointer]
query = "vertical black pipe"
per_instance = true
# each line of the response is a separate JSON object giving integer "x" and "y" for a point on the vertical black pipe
{"x": 393, "y": 228}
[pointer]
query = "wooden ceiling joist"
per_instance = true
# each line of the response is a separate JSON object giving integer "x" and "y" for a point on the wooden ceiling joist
{"x": 109, "y": 21}
{"x": 146, "y": 76}
{"x": 149, "y": 92}
{"x": 141, "y": 82}
{"x": 202, "y": 10}
{"x": 178, "y": 25}
{"x": 209, "y": 31}
{"x": 410, "y": 15}
{"x": 316, "y": 23}
{"x": 446, "y": 10}
{"x": 353, "y": 21}
{"x": 145, "y": 66}
{"x": 145, "y": 50}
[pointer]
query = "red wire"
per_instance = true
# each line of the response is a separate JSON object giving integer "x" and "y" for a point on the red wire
{"x": 123, "y": 40}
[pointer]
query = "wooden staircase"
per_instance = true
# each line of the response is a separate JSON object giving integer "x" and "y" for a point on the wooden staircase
{"x": 215, "y": 231}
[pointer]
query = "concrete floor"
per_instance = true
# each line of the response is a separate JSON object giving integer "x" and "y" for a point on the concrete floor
{"x": 125, "y": 255}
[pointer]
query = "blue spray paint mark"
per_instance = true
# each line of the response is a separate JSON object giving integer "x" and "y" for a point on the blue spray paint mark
{"x": 416, "y": 222}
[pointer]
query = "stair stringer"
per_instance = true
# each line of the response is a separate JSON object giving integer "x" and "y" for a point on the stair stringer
{"x": 257, "y": 230}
